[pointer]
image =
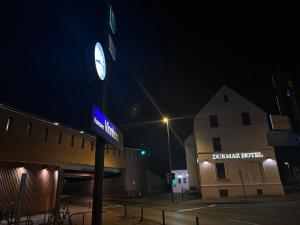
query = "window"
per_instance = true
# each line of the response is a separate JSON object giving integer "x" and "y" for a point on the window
{"x": 28, "y": 129}
{"x": 223, "y": 193}
{"x": 179, "y": 180}
{"x": 213, "y": 121}
{"x": 107, "y": 150}
{"x": 60, "y": 137}
{"x": 8, "y": 124}
{"x": 82, "y": 143}
{"x": 220, "y": 170}
{"x": 226, "y": 100}
{"x": 217, "y": 144}
{"x": 184, "y": 180}
{"x": 46, "y": 134}
{"x": 246, "y": 118}
{"x": 92, "y": 146}
{"x": 259, "y": 191}
{"x": 72, "y": 140}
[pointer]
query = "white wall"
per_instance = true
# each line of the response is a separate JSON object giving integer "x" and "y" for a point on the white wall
{"x": 261, "y": 173}
{"x": 183, "y": 186}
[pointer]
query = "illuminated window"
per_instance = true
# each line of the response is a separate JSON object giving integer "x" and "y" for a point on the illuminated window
{"x": 28, "y": 129}
{"x": 213, "y": 121}
{"x": 72, "y": 140}
{"x": 223, "y": 193}
{"x": 60, "y": 137}
{"x": 8, "y": 124}
{"x": 92, "y": 146}
{"x": 246, "y": 118}
{"x": 220, "y": 170}
{"x": 82, "y": 143}
{"x": 46, "y": 131}
{"x": 217, "y": 144}
{"x": 226, "y": 100}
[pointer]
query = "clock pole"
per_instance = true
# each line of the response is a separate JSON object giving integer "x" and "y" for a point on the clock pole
{"x": 100, "y": 142}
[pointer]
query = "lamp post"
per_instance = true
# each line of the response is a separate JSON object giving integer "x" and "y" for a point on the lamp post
{"x": 166, "y": 121}
{"x": 288, "y": 166}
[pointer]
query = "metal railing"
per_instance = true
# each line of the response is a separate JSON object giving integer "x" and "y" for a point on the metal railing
{"x": 158, "y": 215}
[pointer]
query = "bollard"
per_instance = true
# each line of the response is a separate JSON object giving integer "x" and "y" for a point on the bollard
{"x": 163, "y": 217}
{"x": 142, "y": 213}
{"x": 197, "y": 220}
{"x": 125, "y": 210}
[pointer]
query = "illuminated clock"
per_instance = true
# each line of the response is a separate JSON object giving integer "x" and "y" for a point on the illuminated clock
{"x": 100, "y": 61}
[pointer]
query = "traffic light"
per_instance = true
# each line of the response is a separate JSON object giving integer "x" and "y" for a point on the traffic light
{"x": 173, "y": 178}
{"x": 144, "y": 152}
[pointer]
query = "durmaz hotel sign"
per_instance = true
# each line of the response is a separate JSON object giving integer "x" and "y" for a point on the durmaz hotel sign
{"x": 239, "y": 155}
{"x": 106, "y": 129}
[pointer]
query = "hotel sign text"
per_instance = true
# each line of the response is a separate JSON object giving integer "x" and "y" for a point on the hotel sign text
{"x": 239, "y": 155}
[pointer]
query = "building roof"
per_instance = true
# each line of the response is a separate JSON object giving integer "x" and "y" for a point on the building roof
{"x": 236, "y": 103}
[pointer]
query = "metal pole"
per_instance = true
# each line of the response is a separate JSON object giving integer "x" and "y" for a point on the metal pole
{"x": 197, "y": 220}
{"x": 163, "y": 217}
{"x": 142, "y": 213}
{"x": 125, "y": 210}
{"x": 21, "y": 199}
{"x": 58, "y": 195}
{"x": 240, "y": 172}
{"x": 170, "y": 162}
{"x": 98, "y": 182}
{"x": 100, "y": 142}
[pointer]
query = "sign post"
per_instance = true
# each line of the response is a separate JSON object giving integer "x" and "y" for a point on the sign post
{"x": 105, "y": 130}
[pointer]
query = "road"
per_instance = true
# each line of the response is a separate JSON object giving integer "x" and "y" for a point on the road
{"x": 272, "y": 213}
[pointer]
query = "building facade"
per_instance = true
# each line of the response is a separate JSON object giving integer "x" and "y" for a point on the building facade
{"x": 39, "y": 148}
{"x": 182, "y": 181}
{"x": 232, "y": 157}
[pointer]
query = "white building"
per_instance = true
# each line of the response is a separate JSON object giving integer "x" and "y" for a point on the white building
{"x": 182, "y": 181}
{"x": 228, "y": 155}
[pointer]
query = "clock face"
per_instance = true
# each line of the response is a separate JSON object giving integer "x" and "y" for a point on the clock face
{"x": 100, "y": 61}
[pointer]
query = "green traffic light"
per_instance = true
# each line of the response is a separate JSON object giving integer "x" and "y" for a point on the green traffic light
{"x": 143, "y": 152}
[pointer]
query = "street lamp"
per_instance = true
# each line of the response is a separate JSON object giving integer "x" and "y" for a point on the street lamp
{"x": 166, "y": 121}
{"x": 288, "y": 166}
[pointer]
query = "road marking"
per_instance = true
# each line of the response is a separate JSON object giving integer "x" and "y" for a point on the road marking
{"x": 212, "y": 205}
{"x": 241, "y": 221}
{"x": 112, "y": 206}
{"x": 185, "y": 210}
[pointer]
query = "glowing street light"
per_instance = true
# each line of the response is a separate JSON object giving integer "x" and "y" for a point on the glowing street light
{"x": 166, "y": 121}
{"x": 288, "y": 166}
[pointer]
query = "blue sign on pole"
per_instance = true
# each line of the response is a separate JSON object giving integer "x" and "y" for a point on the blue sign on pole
{"x": 106, "y": 129}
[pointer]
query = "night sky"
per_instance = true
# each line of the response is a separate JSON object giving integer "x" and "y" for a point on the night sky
{"x": 181, "y": 53}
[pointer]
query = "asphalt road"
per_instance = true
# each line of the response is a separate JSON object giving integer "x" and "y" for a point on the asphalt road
{"x": 271, "y": 213}
{"x": 281, "y": 212}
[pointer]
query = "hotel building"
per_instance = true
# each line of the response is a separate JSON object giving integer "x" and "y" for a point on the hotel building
{"x": 227, "y": 154}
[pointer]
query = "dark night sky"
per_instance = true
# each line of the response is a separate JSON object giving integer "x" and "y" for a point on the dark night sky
{"x": 182, "y": 54}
